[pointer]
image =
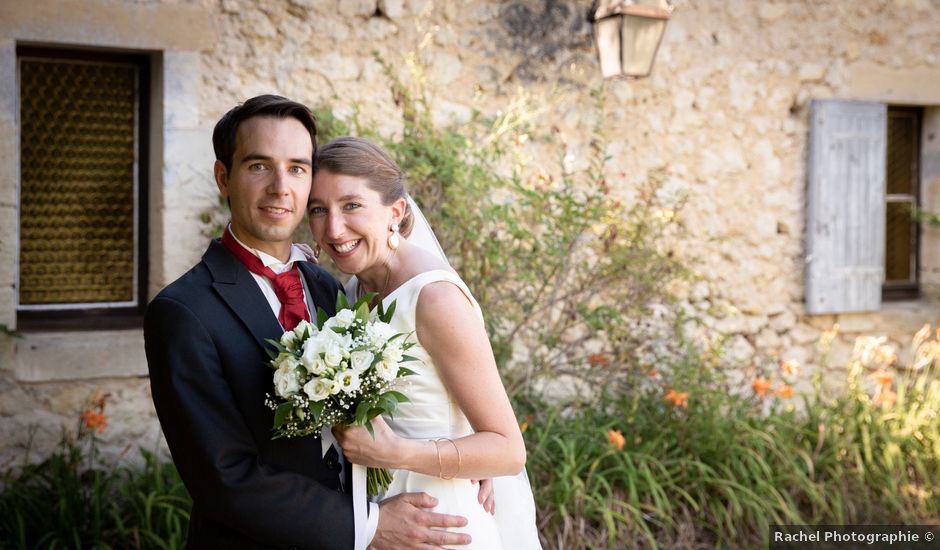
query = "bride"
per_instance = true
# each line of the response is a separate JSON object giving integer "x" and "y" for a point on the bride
{"x": 459, "y": 425}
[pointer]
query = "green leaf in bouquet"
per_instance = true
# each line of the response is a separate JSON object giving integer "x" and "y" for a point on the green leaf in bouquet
{"x": 398, "y": 396}
{"x": 315, "y": 408}
{"x": 272, "y": 353}
{"x": 397, "y": 336}
{"x": 322, "y": 316}
{"x": 282, "y": 413}
{"x": 362, "y": 312}
{"x": 386, "y": 317}
{"x": 362, "y": 413}
{"x": 365, "y": 299}
{"x": 371, "y": 429}
{"x": 388, "y": 403}
{"x": 405, "y": 371}
{"x": 408, "y": 358}
{"x": 341, "y": 301}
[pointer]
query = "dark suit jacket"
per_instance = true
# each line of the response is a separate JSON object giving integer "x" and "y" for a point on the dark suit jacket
{"x": 204, "y": 338}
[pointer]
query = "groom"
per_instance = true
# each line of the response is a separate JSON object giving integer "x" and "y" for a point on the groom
{"x": 204, "y": 337}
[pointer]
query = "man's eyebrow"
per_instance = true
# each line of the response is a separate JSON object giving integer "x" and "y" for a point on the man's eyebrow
{"x": 258, "y": 156}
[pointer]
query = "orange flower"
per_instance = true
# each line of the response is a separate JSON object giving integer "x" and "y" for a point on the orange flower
{"x": 524, "y": 425}
{"x": 95, "y": 420}
{"x": 789, "y": 367}
{"x": 882, "y": 377}
{"x": 615, "y": 437}
{"x": 761, "y": 386}
{"x": 597, "y": 359}
{"x": 653, "y": 373}
{"x": 785, "y": 391}
{"x": 885, "y": 398}
{"x": 677, "y": 398}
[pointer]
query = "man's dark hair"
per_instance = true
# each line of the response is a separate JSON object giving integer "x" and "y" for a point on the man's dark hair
{"x": 226, "y": 130}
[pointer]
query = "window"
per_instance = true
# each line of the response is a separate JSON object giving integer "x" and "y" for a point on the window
{"x": 902, "y": 183}
{"x": 82, "y": 259}
{"x": 863, "y": 184}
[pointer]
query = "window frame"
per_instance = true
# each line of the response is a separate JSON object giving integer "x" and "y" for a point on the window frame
{"x": 909, "y": 290}
{"x": 90, "y": 316}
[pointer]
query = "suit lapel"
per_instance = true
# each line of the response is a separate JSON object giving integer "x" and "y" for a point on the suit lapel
{"x": 236, "y": 286}
{"x": 319, "y": 290}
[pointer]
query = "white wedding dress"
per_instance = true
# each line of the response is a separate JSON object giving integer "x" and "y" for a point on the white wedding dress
{"x": 432, "y": 414}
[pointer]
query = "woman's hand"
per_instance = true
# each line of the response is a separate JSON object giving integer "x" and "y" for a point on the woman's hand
{"x": 308, "y": 252}
{"x": 386, "y": 450}
{"x": 485, "y": 495}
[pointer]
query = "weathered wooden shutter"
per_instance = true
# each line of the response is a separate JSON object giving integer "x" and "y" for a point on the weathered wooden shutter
{"x": 845, "y": 206}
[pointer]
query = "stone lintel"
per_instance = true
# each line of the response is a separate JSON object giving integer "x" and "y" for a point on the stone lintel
{"x": 102, "y": 23}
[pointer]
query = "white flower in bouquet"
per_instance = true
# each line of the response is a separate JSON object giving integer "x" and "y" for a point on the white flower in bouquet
{"x": 343, "y": 319}
{"x": 377, "y": 334}
{"x": 392, "y": 353}
{"x": 349, "y": 380}
{"x": 386, "y": 370}
{"x": 318, "y": 389}
{"x": 287, "y": 377}
{"x": 361, "y": 360}
{"x": 339, "y": 371}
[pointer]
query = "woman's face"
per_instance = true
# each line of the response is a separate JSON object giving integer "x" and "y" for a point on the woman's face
{"x": 349, "y": 221}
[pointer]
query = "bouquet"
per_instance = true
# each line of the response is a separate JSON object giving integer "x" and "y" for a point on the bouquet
{"x": 339, "y": 371}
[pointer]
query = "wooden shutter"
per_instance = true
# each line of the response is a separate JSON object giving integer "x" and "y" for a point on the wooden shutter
{"x": 845, "y": 206}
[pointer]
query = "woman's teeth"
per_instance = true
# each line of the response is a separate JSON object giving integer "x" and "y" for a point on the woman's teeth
{"x": 345, "y": 247}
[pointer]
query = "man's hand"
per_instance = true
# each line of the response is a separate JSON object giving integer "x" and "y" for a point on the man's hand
{"x": 404, "y": 523}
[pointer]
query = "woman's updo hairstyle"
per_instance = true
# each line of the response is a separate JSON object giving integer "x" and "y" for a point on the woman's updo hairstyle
{"x": 352, "y": 156}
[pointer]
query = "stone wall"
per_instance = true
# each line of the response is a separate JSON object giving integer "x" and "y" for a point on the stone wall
{"x": 726, "y": 109}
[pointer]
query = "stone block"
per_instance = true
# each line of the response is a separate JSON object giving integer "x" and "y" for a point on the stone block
{"x": 181, "y": 77}
{"x": 767, "y": 340}
{"x": 393, "y": 9}
{"x": 857, "y": 322}
{"x": 783, "y": 322}
{"x": 149, "y": 26}
{"x": 739, "y": 350}
{"x": 335, "y": 67}
{"x": 40, "y": 357}
{"x": 357, "y": 8}
{"x": 803, "y": 334}
{"x": 444, "y": 67}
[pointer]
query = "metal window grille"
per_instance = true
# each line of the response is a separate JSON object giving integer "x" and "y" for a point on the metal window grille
{"x": 902, "y": 188}
{"x": 78, "y": 184}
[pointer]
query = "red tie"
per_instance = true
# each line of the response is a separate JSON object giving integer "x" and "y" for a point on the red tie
{"x": 287, "y": 285}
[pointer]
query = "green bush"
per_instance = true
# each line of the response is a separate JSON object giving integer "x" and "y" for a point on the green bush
{"x": 723, "y": 468}
{"x": 67, "y": 501}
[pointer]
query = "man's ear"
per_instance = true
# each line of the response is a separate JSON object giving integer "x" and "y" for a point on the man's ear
{"x": 221, "y": 177}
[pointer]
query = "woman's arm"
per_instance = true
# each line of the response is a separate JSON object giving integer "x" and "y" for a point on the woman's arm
{"x": 450, "y": 330}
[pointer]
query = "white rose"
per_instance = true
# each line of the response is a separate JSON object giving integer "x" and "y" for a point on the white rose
{"x": 378, "y": 333}
{"x": 387, "y": 371}
{"x": 303, "y": 326}
{"x": 333, "y": 353}
{"x": 349, "y": 380}
{"x": 286, "y": 379}
{"x": 361, "y": 360}
{"x": 392, "y": 353}
{"x": 318, "y": 389}
{"x": 289, "y": 341}
{"x": 345, "y": 318}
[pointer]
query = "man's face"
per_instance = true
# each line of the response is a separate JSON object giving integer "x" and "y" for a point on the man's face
{"x": 269, "y": 182}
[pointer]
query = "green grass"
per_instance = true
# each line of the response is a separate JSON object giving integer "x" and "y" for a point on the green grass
{"x": 719, "y": 473}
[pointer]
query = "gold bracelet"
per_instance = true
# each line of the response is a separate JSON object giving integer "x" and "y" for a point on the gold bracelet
{"x": 440, "y": 468}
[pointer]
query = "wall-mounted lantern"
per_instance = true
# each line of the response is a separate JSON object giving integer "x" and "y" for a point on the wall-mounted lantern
{"x": 627, "y": 34}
